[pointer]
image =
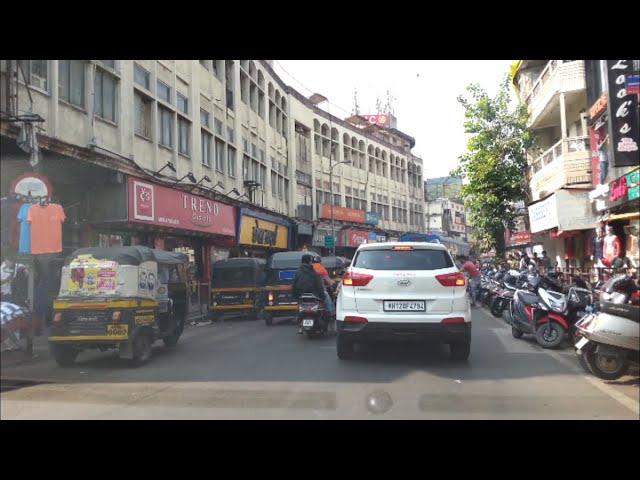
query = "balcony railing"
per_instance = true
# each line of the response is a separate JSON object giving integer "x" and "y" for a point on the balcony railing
{"x": 567, "y": 163}
{"x": 557, "y": 76}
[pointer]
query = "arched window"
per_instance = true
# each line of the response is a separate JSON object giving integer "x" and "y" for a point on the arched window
{"x": 252, "y": 70}
{"x": 377, "y": 154}
{"x": 334, "y": 134}
{"x": 325, "y": 130}
{"x": 271, "y": 90}
{"x": 260, "y": 79}
{"x": 370, "y": 150}
{"x": 260, "y": 94}
{"x": 354, "y": 143}
{"x": 283, "y": 104}
{"x": 316, "y": 126}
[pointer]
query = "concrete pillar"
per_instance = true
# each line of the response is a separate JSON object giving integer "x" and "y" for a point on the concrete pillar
{"x": 563, "y": 122}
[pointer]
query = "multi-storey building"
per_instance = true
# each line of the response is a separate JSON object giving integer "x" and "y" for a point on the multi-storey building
{"x": 559, "y": 173}
{"x": 227, "y": 131}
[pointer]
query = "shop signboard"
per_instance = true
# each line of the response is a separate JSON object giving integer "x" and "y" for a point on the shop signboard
{"x": 263, "y": 233}
{"x": 623, "y": 115}
{"x": 618, "y": 192}
{"x": 520, "y": 238}
{"x": 343, "y": 214}
{"x": 372, "y": 218}
{"x": 167, "y": 207}
{"x": 305, "y": 229}
{"x": 543, "y": 215}
{"x": 353, "y": 238}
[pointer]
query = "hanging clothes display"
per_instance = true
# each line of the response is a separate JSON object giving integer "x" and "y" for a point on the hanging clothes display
{"x": 46, "y": 228}
{"x": 25, "y": 229}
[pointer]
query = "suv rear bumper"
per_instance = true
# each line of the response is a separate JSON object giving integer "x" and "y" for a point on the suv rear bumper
{"x": 419, "y": 332}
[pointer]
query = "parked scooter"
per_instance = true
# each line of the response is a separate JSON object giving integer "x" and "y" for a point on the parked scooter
{"x": 536, "y": 310}
{"x": 610, "y": 338}
{"x": 510, "y": 283}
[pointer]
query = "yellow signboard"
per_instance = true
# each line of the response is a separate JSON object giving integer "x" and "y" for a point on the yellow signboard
{"x": 262, "y": 233}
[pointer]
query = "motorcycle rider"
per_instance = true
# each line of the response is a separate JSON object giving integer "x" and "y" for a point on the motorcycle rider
{"x": 307, "y": 280}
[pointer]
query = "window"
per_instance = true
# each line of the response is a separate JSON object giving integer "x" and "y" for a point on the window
{"x": 141, "y": 76}
{"x": 280, "y": 187}
{"x": 231, "y": 135}
{"x": 419, "y": 259}
{"x": 165, "y": 126}
{"x": 183, "y": 135}
{"x": 246, "y": 165}
{"x": 219, "y": 155}
{"x": 274, "y": 184}
{"x": 36, "y": 73}
{"x": 229, "y": 83}
{"x": 231, "y": 161}
{"x": 216, "y": 68}
{"x": 183, "y": 103}
{"x": 104, "y": 99}
{"x": 286, "y": 191}
{"x": 204, "y": 118}
{"x": 164, "y": 92}
{"x": 142, "y": 114}
{"x": 71, "y": 81}
{"x": 217, "y": 126}
{"x": 347, "y": 201}
{"x": 205, "y": 147}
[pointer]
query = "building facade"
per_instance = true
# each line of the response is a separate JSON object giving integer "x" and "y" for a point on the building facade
{"x": 559, "y": 172}
{"x": 225, "y": 130}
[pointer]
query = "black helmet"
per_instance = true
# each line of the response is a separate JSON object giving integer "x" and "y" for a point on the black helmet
{"x": 317, "y": 259}
{"x": 307, "y": 258}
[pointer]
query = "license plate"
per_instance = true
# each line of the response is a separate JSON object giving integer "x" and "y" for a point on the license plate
{"x": 286, "y": 275}
{"x": 404, "y": 306}
{"x": 307, "y": 322}
{"x": 583, "y": 341}
{"x": 117, "y": 330}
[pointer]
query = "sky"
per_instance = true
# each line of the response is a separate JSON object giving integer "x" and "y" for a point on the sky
{"x": 424, "y": 93}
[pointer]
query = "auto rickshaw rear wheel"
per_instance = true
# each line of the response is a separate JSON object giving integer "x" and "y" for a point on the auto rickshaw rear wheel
{"x": 64, "y": 355}
{"x": 172, "y": 340}
{"x": 142, "y": 348}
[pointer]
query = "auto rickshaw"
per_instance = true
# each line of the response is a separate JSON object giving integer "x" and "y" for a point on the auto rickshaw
{"x": 122, "y": 298}
{"x": 236, "y": 287}
{"x": 277, "y": 297}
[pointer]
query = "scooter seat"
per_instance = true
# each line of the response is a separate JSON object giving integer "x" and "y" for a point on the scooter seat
{"x": 527, "y": 298}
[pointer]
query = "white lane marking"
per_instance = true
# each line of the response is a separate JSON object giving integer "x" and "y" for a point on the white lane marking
{"x": 621, "y": 398}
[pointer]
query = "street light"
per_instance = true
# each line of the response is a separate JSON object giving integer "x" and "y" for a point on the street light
{"x": 331, "y": 167}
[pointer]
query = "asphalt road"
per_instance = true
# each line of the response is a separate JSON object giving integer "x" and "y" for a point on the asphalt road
{"x": 242, "y": 369}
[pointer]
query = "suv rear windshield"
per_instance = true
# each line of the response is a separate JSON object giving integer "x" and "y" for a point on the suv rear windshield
{"x": 403, "y": 260}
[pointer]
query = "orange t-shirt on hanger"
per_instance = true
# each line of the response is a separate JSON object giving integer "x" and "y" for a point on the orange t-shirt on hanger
{"x": 46, "y": 228}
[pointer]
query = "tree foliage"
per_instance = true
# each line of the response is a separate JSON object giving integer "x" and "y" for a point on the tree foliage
{"x": 495, "y": 164}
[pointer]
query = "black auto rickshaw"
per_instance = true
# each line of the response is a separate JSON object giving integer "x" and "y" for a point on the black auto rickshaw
{"x": 122, "y": 298}
{"x": 277, "y": 297}
{"x": 236, "y": 285}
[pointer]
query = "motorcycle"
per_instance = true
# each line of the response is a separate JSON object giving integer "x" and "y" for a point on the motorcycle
{"x": 535, "y": 310}
{"x": 610, "y": 338}
{"x": 510, "y": 283}
{"x": 313, "y": 315}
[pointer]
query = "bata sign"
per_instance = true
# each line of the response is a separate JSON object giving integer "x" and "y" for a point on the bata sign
{"x": 166, "y": 207}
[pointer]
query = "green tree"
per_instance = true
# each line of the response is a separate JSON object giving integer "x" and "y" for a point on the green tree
{"x": 495, "y": 164}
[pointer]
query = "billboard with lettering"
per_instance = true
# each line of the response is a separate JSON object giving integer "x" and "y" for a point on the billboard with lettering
{"x": 155, "y": 204}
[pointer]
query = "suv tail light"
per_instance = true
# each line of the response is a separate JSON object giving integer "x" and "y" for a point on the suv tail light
{"x": 356, "y": 279}
{"x": 354, "y": 319}
{"x": 452, "y": 280}
{"x": 453, "y": 321}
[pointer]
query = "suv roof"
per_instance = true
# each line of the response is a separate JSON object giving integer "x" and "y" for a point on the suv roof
{"x": 388, "y": 245}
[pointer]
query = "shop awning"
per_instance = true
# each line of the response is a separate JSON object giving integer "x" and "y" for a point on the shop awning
{"x": 624, "y": 216}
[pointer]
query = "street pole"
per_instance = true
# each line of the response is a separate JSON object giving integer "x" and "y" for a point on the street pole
{"x": 333, "y": 231}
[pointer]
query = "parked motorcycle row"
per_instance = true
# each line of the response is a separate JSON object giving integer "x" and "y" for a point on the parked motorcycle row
{"x": 600, "y": 321}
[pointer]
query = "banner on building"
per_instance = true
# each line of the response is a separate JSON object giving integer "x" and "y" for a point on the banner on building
{"x": 623, "y": 115}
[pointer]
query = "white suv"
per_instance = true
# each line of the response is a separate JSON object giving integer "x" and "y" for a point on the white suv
{"x": 406, "y": 291}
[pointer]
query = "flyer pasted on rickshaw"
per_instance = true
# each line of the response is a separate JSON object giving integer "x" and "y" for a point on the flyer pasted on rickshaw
{"x": 90, "y": 274}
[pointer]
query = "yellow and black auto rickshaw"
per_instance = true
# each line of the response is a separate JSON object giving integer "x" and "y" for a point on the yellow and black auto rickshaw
{"x": 122, "y": 298}
{"x": 236, "y": 287}
{"x": 277, "y": 297}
